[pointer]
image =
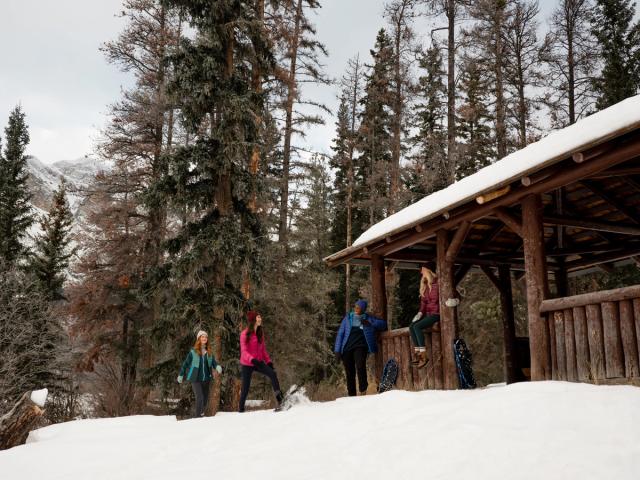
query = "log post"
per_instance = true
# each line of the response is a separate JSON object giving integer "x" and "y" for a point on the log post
{"x": 448, "y": 315}
{"x": 378, "y": 303}
{"x": 537, "y": 285}
{"x": 508, "y": 324}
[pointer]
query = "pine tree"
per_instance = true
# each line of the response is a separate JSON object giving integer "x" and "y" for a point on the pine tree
{"x": 427, "y": 171}
{"x": 478, "y": 146}
{"x": 373, "y": 165}
{"x": 51, "y": 252}
{"x": 210, "y": 179}
{"x": 619, "y": 40}
{"x": 15, "y": 211}
{"x": 570, "y": 54}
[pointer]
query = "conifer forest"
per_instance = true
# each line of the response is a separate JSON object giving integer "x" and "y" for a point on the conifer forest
{"x": 211, "y": 201}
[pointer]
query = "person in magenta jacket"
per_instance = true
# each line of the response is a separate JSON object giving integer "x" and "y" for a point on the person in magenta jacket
{"x": 255, "y": 358}
{"x": 428, "y": 314}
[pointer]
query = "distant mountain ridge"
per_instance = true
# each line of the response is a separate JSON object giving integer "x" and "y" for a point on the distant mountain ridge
{"x": 45, "y": 179}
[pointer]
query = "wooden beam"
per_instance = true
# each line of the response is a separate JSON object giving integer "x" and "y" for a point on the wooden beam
{"x": 448, "y": 315}
{"x": 491, "y": 276}
{"x": 537, "y": 285}
{"x": 601, "y": 225}
{"x": 487, "y": 197}
{"x": 617, "y": 172}
{"x": 602, "y": 258}
{"x": 509, "y": 220}
{"x": 614, "y": 295}
{"x": 598, "y": 191}
{"x": 461, "y": 273}
{"x": 457, "y": 241}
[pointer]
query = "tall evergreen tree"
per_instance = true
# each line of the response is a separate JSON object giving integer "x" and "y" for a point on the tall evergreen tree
{"x": 51, "y": 254}
{"x": 15, "y": 211}
{"x": 619, "y": 40}
{"x": 373, "y": 165}
{"x": 211, "y": 179}
{"x": 427, "y": 170}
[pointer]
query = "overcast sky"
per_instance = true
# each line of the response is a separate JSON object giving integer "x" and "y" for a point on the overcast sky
{"x": 51, "y": 65}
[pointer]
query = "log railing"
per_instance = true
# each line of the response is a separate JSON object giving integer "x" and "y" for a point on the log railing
{"x": 595, "y": 336}
{"x": 397, "y": 344}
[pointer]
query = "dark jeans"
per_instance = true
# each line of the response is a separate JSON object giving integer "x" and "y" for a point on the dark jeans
{"x": 416, "y": 328}
{"x": 201, "y": 390}
{"x": 356, "y": 361}
{"x": 247, "y": 372}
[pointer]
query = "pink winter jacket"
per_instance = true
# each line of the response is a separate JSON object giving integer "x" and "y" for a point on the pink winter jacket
{"x": 252, "y": 349}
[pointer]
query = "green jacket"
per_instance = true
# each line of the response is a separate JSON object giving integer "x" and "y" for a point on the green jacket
{"x": 192, "y": 368}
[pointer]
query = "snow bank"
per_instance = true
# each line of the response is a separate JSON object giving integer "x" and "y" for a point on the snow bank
{"x": 558, "y": 145}
{"x": 550, "y": 430}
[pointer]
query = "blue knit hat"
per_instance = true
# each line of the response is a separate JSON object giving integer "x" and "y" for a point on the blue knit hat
{"x": 362, "y": 304}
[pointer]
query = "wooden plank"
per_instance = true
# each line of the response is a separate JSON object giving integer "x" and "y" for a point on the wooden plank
{"x": 570, "y": 346}
{"x": 636, "y": 318}
{"x": 626, "y": 293}
{"x": 436, "y": 347}
{"x": 537, "y": 285}
{"x": 402, "y": 364}
{"x": 596, "y": 342}
{"x": 629, "y": 340}
{"x": 406, "y": 363}
{"x": 582, "y": 343}
{"x": 561, "y": 354}
{"x": 551, "y": 327}
{"x": 614, "y": 358}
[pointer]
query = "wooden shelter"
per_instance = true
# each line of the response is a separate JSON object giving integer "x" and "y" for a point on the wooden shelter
{"x": 565, "y": 204}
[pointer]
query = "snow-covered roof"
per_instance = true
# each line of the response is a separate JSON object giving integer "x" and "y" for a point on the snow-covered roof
{"x": 556, "y": 146}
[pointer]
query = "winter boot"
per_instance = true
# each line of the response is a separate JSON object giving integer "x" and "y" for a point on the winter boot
{"x": 419, "y": 353}
{"x": 423, "y": 359}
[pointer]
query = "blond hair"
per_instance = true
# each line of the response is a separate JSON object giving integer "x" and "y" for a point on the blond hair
{"x": 426, "y": 282}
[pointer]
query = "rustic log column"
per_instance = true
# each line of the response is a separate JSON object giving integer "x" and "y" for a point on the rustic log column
{"x": 448, "y": 315}
{"x": 378, "y": 288}
{"x": 508, "y": 324}
{"x": 503, "y": 283}
{"x": 537, "y": 285}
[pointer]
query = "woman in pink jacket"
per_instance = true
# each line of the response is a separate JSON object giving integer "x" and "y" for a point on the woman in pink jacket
{"x": 254, "y": 357}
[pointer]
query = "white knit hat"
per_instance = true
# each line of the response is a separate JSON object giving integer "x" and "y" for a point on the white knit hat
{"x": 202, "y": 332}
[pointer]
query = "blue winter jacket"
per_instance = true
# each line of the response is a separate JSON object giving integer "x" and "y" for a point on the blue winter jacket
{"x": 376, "y": 324}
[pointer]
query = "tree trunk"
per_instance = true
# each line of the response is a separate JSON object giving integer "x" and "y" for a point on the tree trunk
{"x": 501, "y": 129}
{"x": 16, "y": 424}
{"x": 288, "y": 129}
{"x": 451, "y": 91}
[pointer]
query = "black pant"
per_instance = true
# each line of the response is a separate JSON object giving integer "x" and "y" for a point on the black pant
{"x": 356, "y": 361}
{"x": 201, "y": 390}
{"x": 247, "y": 372}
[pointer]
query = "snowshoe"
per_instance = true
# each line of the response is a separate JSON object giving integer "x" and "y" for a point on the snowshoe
{"x": 288, "y": 400}
{"x": 389, "y": 376}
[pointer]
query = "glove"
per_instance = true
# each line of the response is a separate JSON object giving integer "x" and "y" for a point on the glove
{"x": 270, "y": 364}
{"x": 338, "y": 356}
{"x": 417, "y": 317}
{"x": 256, "y": 363}
{"x": 219, "y": 369}
{"x": 179, "y": 378}
{"x": 452, "y": 302}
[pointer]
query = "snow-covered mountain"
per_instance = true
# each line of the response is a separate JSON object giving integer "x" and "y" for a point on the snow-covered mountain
{"x": 45, "y": 179}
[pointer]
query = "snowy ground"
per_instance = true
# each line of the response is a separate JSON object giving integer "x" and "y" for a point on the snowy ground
{"x": 542, "y": 430}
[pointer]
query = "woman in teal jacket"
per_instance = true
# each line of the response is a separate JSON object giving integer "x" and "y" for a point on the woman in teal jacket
{"x": 198, "y": 367}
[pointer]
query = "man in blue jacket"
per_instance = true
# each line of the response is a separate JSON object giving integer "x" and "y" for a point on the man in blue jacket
{"x": 356, "y": 338}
